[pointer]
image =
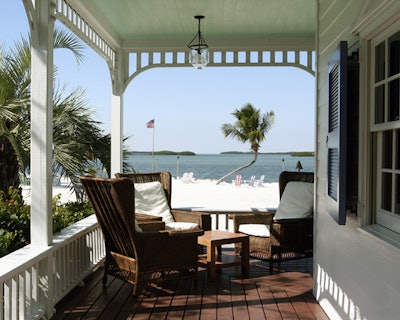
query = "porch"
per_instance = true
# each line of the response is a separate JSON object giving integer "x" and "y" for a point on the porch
{"x": 285, "y": 294}
{"x": 63, "y": 281}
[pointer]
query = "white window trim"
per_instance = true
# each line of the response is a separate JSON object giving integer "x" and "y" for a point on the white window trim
{"x": 378, "y": 25}
{"x": 382, "y": 217}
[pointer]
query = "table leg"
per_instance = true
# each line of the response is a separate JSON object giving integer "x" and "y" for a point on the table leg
{"x": 211, "y": 256}
{"x": 219, "y": 253}
{"x": 245, "y": 257}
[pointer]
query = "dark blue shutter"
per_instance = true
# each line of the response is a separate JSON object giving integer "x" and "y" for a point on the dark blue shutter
{"x": 337, "y": 132}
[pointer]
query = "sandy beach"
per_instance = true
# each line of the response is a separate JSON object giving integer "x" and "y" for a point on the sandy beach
{"x": 208, "y": 196}
{"x": 204, "y": 195}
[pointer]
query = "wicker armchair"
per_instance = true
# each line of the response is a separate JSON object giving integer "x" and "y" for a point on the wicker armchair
{"x": 203, "y": 219}
{"x": 287, "y": 236}
{"x": 138, "y": 257}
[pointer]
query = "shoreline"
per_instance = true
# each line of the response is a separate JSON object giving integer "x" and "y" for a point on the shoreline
{"x": 199, "y": 195}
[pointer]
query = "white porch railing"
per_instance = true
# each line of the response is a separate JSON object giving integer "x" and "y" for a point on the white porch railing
{"x": 34, "y": 279}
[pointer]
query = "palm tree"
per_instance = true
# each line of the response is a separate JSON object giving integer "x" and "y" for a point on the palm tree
{"x": 251, "y": 126}
{"x": 77, "y": 139}
{"x": 14, "y": 100}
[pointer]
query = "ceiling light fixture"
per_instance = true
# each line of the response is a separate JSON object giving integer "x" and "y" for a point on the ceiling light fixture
{"x": 199, "y": 54}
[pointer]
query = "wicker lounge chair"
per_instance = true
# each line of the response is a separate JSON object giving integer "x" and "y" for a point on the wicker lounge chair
{"x": 131, "y": 255}
{"x": 287, "y": 236}
{"x": 202, "y": 219}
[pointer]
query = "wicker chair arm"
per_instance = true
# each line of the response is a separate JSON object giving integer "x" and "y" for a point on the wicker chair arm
{"x": 162, "y": 236}
{"x": 184, "y": 233}
{"x": 255, "y": 218}
{"x": 149, "y": 225}
{"x": 203, "y": 219}
{"x": 293, "y": 221}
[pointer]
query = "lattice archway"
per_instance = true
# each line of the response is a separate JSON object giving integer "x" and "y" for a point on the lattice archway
{"x": 142, "y": 61}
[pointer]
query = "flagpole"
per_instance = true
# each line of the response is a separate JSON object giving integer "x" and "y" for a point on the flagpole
{"x": 150, "y": 124}
{"x": 152, "y": 151}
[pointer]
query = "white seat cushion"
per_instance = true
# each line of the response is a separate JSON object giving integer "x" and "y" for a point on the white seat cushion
{"x": 297, "y": 201}
{"x": 257, "y": 230}
{"x": 181, "y": 225}
{"x": 150, "y": 199}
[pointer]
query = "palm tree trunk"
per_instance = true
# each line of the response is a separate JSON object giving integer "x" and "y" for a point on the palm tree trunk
{"x": 9, "y": 168}
{"x": 238, "y": 169}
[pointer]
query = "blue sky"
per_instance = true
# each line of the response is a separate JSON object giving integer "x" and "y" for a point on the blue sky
{"x": 188, "y": 105}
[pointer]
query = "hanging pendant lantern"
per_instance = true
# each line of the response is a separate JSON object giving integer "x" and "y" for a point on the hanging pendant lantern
{"x": 199, "y": 55}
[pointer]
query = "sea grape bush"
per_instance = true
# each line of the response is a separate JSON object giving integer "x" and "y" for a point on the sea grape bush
{"x": 14, "y": 222}
{"x": 65, "y": 214}
{"x": 15, "y": 219}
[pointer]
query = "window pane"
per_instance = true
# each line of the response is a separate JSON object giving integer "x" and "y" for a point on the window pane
{"x": 394, "y": 54}
{"x": 397, "y": 208}
{"x": 380, "y": 62}
{"x": 394, "y": 100}
{"x": 380, "y": 104}
{"x": 386, "y": 191}
{"x": 397, "y": 150}
{"x": 387, "y": 151}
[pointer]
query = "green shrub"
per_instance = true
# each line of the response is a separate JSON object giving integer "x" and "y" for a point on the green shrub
{"x": 15, "y": 219}
{"x": 14, "y": 222}
{"x": 68, "y": 213}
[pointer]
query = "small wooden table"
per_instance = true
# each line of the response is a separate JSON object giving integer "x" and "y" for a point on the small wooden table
{"x": 213, "y": 240}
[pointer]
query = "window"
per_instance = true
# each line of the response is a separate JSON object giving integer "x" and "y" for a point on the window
{"x": 385, "y": 126}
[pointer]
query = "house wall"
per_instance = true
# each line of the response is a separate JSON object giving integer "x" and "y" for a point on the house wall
{"x": 355, "y": 272}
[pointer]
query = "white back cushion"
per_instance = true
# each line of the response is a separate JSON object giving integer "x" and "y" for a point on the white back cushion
{"x": 150, "y": 199}
{"x": 297, "y": 201}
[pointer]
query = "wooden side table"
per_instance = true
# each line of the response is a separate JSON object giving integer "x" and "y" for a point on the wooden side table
{"x": 213, "y": 240}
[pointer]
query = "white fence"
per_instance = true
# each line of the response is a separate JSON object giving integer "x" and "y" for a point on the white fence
{"x": 34, "y": 279}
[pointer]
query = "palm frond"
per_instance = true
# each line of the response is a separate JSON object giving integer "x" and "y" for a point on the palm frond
{"x": 63, "y": 39}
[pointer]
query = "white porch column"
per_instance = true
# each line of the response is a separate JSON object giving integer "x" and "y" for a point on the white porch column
{"x": 42, "y": 29}
{"x": 119, "y": 73}
{"x": 117, "y": 107}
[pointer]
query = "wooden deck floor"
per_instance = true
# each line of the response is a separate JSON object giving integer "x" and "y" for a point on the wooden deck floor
{"x": 285, "y": 294}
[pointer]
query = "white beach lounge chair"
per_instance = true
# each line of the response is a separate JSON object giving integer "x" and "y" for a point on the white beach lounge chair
{"x": 259, "y": 183}
{"x": 238, "y": 180}
{"x": 187, "y": 177}
{"x": 252, "y": 181}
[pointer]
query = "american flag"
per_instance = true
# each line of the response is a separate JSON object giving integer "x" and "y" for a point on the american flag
{"x": 150, "y": 124}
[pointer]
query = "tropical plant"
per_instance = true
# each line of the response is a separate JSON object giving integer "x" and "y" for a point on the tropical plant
{"x": 251, "y": 126}
{"x": 14, "y": 222}
{"x": 15, "y": 218}
{"x": 65, "y": 214}
{"x": 77, "y": 139}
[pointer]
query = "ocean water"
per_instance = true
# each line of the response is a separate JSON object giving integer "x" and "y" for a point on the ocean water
{"x": 215, "y": 166}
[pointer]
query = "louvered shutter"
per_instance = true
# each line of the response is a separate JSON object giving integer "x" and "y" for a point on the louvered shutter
{"x": 337, "y": 132}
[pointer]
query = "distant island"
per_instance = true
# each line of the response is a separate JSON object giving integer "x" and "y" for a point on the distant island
{"x": 302, "y": 154}
{"x": 291, "y": 153}
{"x": 191, "y": 153}
{"x": 164, "y": 153}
